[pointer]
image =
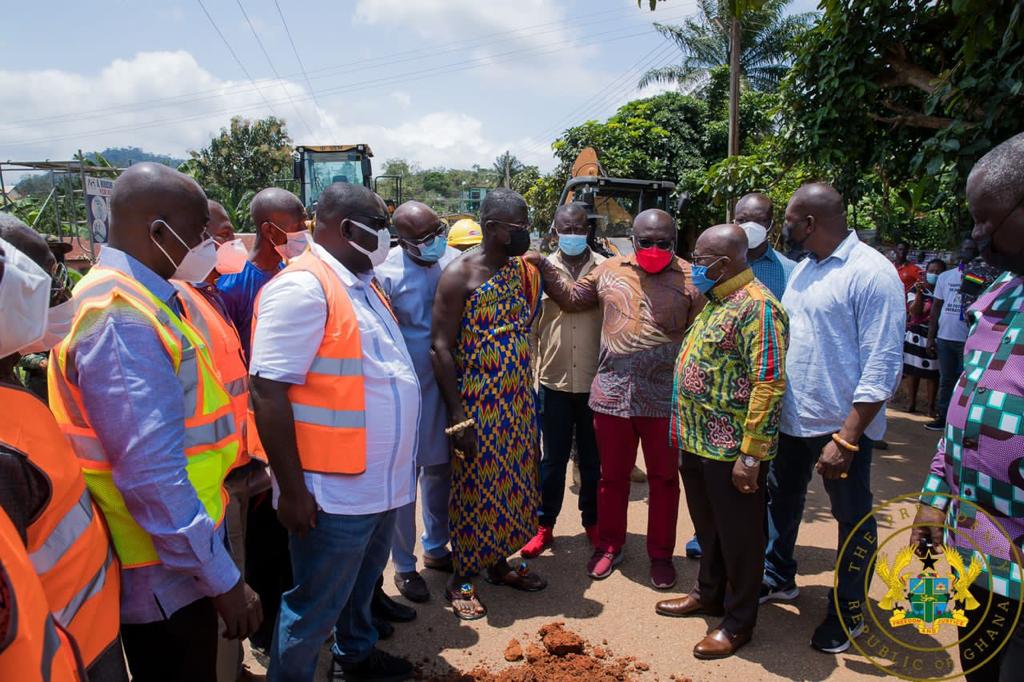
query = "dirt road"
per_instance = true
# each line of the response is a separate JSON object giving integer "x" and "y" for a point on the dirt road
{"x": 620, "y": 610}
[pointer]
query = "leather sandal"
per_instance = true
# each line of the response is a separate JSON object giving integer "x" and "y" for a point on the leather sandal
{"x": 472, "y": 609}
{"x": 519, "y": 579}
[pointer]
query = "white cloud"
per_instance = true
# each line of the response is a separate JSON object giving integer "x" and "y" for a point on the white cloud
{"x": 166, "y": 102}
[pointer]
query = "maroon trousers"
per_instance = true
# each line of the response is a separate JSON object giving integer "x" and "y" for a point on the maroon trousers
{"x": 617, "y": 439}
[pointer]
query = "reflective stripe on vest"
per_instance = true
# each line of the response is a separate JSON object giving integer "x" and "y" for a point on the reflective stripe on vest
{"x": 211, "y": 440}
{"x": 329, "y": 409}
{"x": 35, "y": 649}
{"x": 67, "y": 541}
{"x": 226, "y": 352}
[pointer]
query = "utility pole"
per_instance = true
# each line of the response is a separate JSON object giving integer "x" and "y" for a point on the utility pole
{"x": 734, "y": 94}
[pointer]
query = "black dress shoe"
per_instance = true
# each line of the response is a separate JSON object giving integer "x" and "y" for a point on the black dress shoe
{"x": 386, "y": 608}
{"x": 412, "y": 586}
{"x": 379, "y": 666}
{"x": 384, "y": 629}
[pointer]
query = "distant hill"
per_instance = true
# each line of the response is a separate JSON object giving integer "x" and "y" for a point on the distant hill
{"x": 125, "y": 156}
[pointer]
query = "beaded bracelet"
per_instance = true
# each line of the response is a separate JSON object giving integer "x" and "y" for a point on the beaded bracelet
{"x": 458, "y": 428}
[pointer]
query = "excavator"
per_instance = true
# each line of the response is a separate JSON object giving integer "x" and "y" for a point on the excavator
{"x": 612, "y": 203}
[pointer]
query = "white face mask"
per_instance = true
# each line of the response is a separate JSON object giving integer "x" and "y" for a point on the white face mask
{"x": 24, "y": 298}
{"x": 296, "y": 245}
{"x": 58, "y": 325}
{"x": 756, "y": 234}
{"x": 231, "y": 257}
{"x": 197, "y": 263}
{"x": 379, "y": 254}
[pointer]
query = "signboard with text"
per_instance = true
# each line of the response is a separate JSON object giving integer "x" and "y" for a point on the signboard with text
{"x": 97, "y": 206}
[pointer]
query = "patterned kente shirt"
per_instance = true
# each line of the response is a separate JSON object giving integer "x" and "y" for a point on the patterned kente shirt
{"x": 731, "y": 374}
{"x": 981, "y": 457}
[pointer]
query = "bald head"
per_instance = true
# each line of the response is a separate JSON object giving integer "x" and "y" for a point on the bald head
{"x": 156, "y": 215}
{"x": 754, "y": 207}
{"x": 722, "y": 249}
{"x": 415, "y": 220}
{"x": 274, "y": 202}
{"x": 815, "y": 219}
{"x": 28, "y": 241}
{"x": 654, "y": 224}
{"x": 995, "y": 196}
{"x": 220, "y": 226}
{"x": 348, "y": 214}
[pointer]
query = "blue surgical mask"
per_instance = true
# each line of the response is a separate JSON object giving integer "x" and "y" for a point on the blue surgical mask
{"x": 572, "y": 244}
{"x": 932, "y": 278}
{"x": 432, "y": 252}
{"x": 700, "y": 277}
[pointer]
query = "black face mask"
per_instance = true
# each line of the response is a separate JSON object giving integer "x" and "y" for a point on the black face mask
{"x": 518, "y": 242}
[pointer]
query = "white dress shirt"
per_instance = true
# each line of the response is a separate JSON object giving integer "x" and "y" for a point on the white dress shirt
{"x": 288, "y": 332}
{"x": 847, "y": 319}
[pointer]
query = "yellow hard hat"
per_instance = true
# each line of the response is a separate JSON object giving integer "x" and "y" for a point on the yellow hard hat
{"x": 465, "y": 232}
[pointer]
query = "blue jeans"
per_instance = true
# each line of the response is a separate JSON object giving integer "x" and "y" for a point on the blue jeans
{"x": 565, "y": 414}
{"x": 951, "y": 366}
{"x": 435, "y": 488}
{"x": 336, "y": 567}
{"x": 851, "y": 499}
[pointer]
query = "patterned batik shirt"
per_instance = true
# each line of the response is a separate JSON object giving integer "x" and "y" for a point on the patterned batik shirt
{"x": 731, "y": 374}
{"x": 980, "y": 459}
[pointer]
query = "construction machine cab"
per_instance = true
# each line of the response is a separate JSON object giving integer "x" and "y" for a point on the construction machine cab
{"x": 613, "y": 203}
{"x": 316, "y": 167}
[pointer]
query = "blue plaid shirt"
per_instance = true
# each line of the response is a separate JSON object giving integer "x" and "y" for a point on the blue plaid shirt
{"x": 772, "y": 270}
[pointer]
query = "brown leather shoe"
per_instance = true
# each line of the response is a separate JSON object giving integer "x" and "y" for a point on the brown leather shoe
{"x": 687, "y": 605}
{"x": 719, "y": 644}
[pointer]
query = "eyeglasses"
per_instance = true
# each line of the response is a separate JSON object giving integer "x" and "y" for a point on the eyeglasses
{"x": 440, "y": 231}
{"x": 516, "y": 227}
{"x": 644, "y": 243}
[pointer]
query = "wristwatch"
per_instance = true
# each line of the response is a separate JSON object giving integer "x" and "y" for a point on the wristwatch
{"x": 749, "y": 462}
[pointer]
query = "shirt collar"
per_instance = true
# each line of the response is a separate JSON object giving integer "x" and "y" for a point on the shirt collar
{"x": 845, "y": 248}
{"x": 115, "y": 259}
{"x": 732, "y": 285}
{"x": 348, "y": 278}
{"x": 556, "y": 258}
{"x": 769, "y": 255}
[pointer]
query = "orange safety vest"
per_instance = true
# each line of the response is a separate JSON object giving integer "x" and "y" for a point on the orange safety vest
{"x": 330, "y": 408}
{"x": 67, "y": 542}
{"x": 228, "y": 357}
{"x": 210, "y": 439}
{"x": 33, "y": 648}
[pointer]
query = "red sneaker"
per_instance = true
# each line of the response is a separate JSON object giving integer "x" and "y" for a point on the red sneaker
{"x": 593, "y": 535}
{"x": 538, "y": 543}
{"x": 602, "y": 563}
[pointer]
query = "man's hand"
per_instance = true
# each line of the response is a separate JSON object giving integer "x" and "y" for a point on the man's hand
{"x": 744, "y": 477}
{"x": 465, "y": 442}
{"x": 534, "y": 258}
{"x": 240, "y": 609}
{"x": 834, "y": 461}
{"x": 932, "y": 349}
{"x": 297, "y": 511}
{"x": 928, "y": 526}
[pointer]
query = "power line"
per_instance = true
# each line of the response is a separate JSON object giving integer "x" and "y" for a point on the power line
{"x": 302, "y": 67}
{"x": 215, "y": 93}
{"x": 273, "y": 68}
{"x": 237, "y": 60}
{"x": 351, "y": 87}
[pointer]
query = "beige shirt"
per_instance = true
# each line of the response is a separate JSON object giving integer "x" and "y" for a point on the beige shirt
{"x": 569, "y": 342}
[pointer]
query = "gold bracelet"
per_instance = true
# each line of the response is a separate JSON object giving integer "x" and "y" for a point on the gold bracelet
{"x": 458, "y": 428}
{"x": 849, "y": 446}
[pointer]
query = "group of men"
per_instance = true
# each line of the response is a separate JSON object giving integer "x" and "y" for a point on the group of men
{"x": 138, "y": 509}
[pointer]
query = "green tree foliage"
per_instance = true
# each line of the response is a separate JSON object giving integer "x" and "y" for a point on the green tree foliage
{"x": 507, "y": 166}
{"x": 704, "y": 41}
{"x": 913, "y": 91}
{"x": 245, "y": 157}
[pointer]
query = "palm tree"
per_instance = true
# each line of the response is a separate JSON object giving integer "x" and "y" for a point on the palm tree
{"x": 704, "y": 42}
{"x": 507, "y": 166}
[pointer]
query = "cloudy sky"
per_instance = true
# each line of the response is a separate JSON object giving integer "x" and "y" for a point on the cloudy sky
{"x": 438, "y": 82}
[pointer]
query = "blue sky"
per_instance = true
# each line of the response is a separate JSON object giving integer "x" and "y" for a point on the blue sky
{"x": 438, "y": 82}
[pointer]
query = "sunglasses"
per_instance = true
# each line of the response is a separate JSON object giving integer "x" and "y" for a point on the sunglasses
{"x": 644, "y": 243}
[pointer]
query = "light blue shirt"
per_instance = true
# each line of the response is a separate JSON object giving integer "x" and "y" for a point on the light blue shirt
{"x": 847, "y": 318}
{"x": 411, "y": 288}
{"x": 773, "y": 270}
{"x": 136, "y": 405}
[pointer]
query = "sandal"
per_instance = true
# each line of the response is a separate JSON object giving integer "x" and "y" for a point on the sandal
{"x": 472, "y": 608}
{"x": 519, "y": 579}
